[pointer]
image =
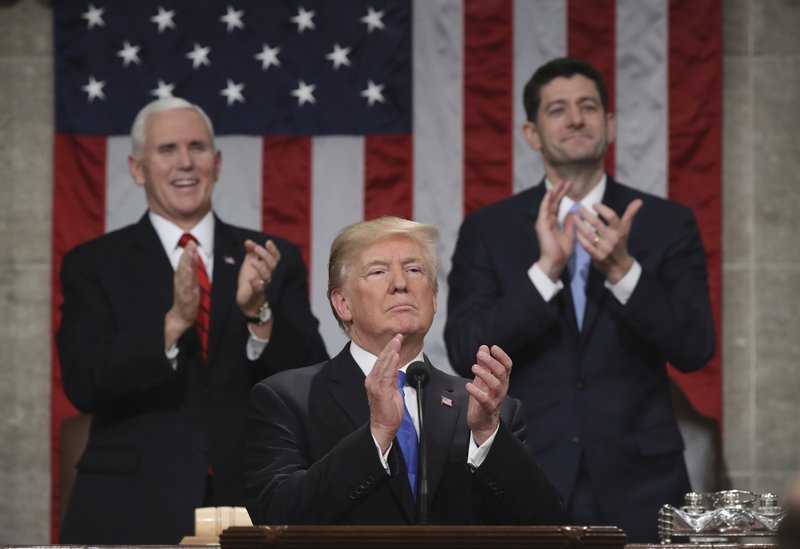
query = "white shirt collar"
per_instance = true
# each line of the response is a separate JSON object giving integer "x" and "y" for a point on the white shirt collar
{"x": 169, "y": 234}
{"x": 366, "y": 360}
{"x": 595, "y": 196}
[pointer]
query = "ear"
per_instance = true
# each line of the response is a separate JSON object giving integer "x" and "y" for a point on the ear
{"x": 217, "y": 164}
{"x": 137, "y": 172}
{"x": 531, "y": 135}
{"x": 611, "y": 124}
{"x": 341, "y": 306}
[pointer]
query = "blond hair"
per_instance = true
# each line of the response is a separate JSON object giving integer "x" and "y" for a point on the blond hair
{"x": 354, "y": 238}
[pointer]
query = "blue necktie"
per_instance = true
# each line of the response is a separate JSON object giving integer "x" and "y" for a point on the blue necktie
{"x": 407, "y": 438}
{"x": 578, "y": 274}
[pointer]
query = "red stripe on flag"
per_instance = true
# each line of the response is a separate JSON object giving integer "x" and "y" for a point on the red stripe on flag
{"x": 488, "y": 102}
{"x": 79, "y": 205}
{"x": 286, "y": 190}
{"x": 591, "y": 36}
{"x": 388, "y": 176}
{"x": 695, "y": 134}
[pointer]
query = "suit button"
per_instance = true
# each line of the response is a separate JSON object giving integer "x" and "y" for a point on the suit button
{"x": 581, "y": 385}
{"x": 575, "y": 440}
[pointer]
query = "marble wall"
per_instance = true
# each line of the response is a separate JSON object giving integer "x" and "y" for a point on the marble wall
{"x": 761, "y": 256}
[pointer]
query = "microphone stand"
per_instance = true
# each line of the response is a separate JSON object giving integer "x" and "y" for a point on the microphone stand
{"x": 422, "y": 489}
{"x": 419, "y": 373}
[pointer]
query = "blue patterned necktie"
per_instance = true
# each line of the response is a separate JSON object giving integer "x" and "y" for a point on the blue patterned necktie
{"x": 407, "y": 438}
{"x": 578, "y": 274}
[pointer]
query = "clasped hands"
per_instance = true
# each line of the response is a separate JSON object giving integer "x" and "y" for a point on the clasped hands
{"x": 604, "y": 237}
{"x": 255, "y": 275}
{"x": 486, "y": 392}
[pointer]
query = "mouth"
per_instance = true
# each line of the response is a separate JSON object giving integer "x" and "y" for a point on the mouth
{"x": 182, "y": 183}
{"x": 402, "y": 307}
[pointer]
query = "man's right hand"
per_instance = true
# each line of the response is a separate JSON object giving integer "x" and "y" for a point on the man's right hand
{"x": 186, "y": 297}
{"x": 385, "y": 402}
{"x": 556, "y": 244}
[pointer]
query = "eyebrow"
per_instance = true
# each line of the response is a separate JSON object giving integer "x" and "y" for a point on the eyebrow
{"x": 384, "y": 262}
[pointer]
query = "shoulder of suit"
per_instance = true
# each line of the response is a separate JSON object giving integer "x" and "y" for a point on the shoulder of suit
{"x": 524, "y": 202}
{"x": 651, "y": 201}
{"x": 110, "y": 242}
{"x": 242, "y": 234}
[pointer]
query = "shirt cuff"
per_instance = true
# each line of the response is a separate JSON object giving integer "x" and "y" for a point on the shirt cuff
{"x": 477, "y": 454}
{"x": 546, "y": 287}
{"x": 172, "y": 356}
{"x": 623, "y": 289}
{"x": 381, "y": 456}
{"x": 255, "y": 345}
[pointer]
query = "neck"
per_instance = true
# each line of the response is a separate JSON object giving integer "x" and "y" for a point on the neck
{"x": 411, "y": 347}
{"x": 584, "y": 178}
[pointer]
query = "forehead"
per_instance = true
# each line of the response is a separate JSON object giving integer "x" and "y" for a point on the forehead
{"x": 575, "y": 87}
{"x": 390, "y": 248}
{"x": 177, "y": 124}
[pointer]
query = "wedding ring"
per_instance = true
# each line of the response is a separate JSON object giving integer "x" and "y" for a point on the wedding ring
{"x": 596, "y": 240}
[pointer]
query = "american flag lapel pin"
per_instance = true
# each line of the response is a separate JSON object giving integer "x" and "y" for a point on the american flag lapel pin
{"x": 447, "y": 402}
{"x": 229, "y": 260}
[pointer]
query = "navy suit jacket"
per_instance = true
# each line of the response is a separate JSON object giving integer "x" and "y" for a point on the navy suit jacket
{"x": 602, "y": 391}
{"x": 311, "y": 458}
{"x": 156, "y": 431}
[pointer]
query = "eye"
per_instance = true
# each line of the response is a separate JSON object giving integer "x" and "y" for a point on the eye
{"x": 376, "y": 272}
{"x": 415, "y": 270}
{"x": 198, "y": 147}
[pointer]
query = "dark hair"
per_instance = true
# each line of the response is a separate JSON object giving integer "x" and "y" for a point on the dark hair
{"x": 560, "y": 67}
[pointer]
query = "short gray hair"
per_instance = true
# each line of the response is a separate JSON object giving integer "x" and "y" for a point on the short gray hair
{"x": 358, "y": 236}
{"x": 163, "y": 105}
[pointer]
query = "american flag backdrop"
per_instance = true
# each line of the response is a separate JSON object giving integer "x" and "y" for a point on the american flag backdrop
{"x": 332, "y": 111}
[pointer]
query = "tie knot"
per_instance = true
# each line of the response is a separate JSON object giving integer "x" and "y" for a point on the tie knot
{"x": 185, "y": 239}
{"x": 401, "y": 379}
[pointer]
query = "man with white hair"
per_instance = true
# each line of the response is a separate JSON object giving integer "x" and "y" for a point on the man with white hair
{"x": 166, "y": 325}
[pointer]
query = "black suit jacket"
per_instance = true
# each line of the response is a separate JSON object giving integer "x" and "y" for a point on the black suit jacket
{"x": 311, "y": 459}
{"x": 156, "y": 431}
{"x": 603, "y": 391}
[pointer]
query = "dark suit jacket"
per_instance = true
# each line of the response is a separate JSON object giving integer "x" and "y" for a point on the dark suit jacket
{"x": 602, "y": 391}
{"x": 311, "y": 458}
{"x": 156, "y": 431}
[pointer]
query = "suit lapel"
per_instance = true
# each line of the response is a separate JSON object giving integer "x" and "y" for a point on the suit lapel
{"x": 228, "y": 257}
{"x": 596, "y": 293}
{"x": 156, "y": 281}
{"x": 441, "y": 411}
{"x": 346, "y": 388}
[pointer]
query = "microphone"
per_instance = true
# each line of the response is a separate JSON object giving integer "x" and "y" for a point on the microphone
{"x": 418, "y": 375}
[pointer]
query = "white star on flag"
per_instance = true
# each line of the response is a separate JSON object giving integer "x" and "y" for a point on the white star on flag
{"x": 163, "y": 90}
{"x": 303, "y": 19}
{"x": 373, "y": 19}
{"x": 129, "y": 54}
{"x": 199, "y": 55}
{"x": 233, "y": 92}
{"x": 339, "y": 56}
{"x": 94, "y": 16}
{"x": 94, "y": 89}
{"x": 373, "y": 93}
{"x": 304, "y": 93}
{"x": 233, "y": 19}
{"x": 164, "y": 19}
{"x": 268, "y": 56}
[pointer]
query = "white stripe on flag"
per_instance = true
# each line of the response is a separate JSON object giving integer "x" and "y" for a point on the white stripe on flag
{"x": 337, "y": 199}
{"x": 438, "y": 139}
{"x": 641, "y": 154}
{"x": 237, "y": 197}
{"x": 540, "y": 34}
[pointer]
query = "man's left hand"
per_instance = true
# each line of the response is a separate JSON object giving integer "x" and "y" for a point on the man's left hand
{"x": 487, "y": 391}
{"x": 254, "y": 277}
{"x": 607, "y": 243}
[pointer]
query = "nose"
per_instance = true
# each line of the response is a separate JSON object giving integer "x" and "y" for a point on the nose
{"x": 575, "y": 116}
{"x": 184, "y": 158}
{"x": 398, "y": 282}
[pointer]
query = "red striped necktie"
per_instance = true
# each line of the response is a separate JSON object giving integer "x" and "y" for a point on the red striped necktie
{"x": 204, "y": 309}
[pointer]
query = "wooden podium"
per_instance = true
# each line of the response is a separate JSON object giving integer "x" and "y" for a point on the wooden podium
{"x": 391, "y": 537}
